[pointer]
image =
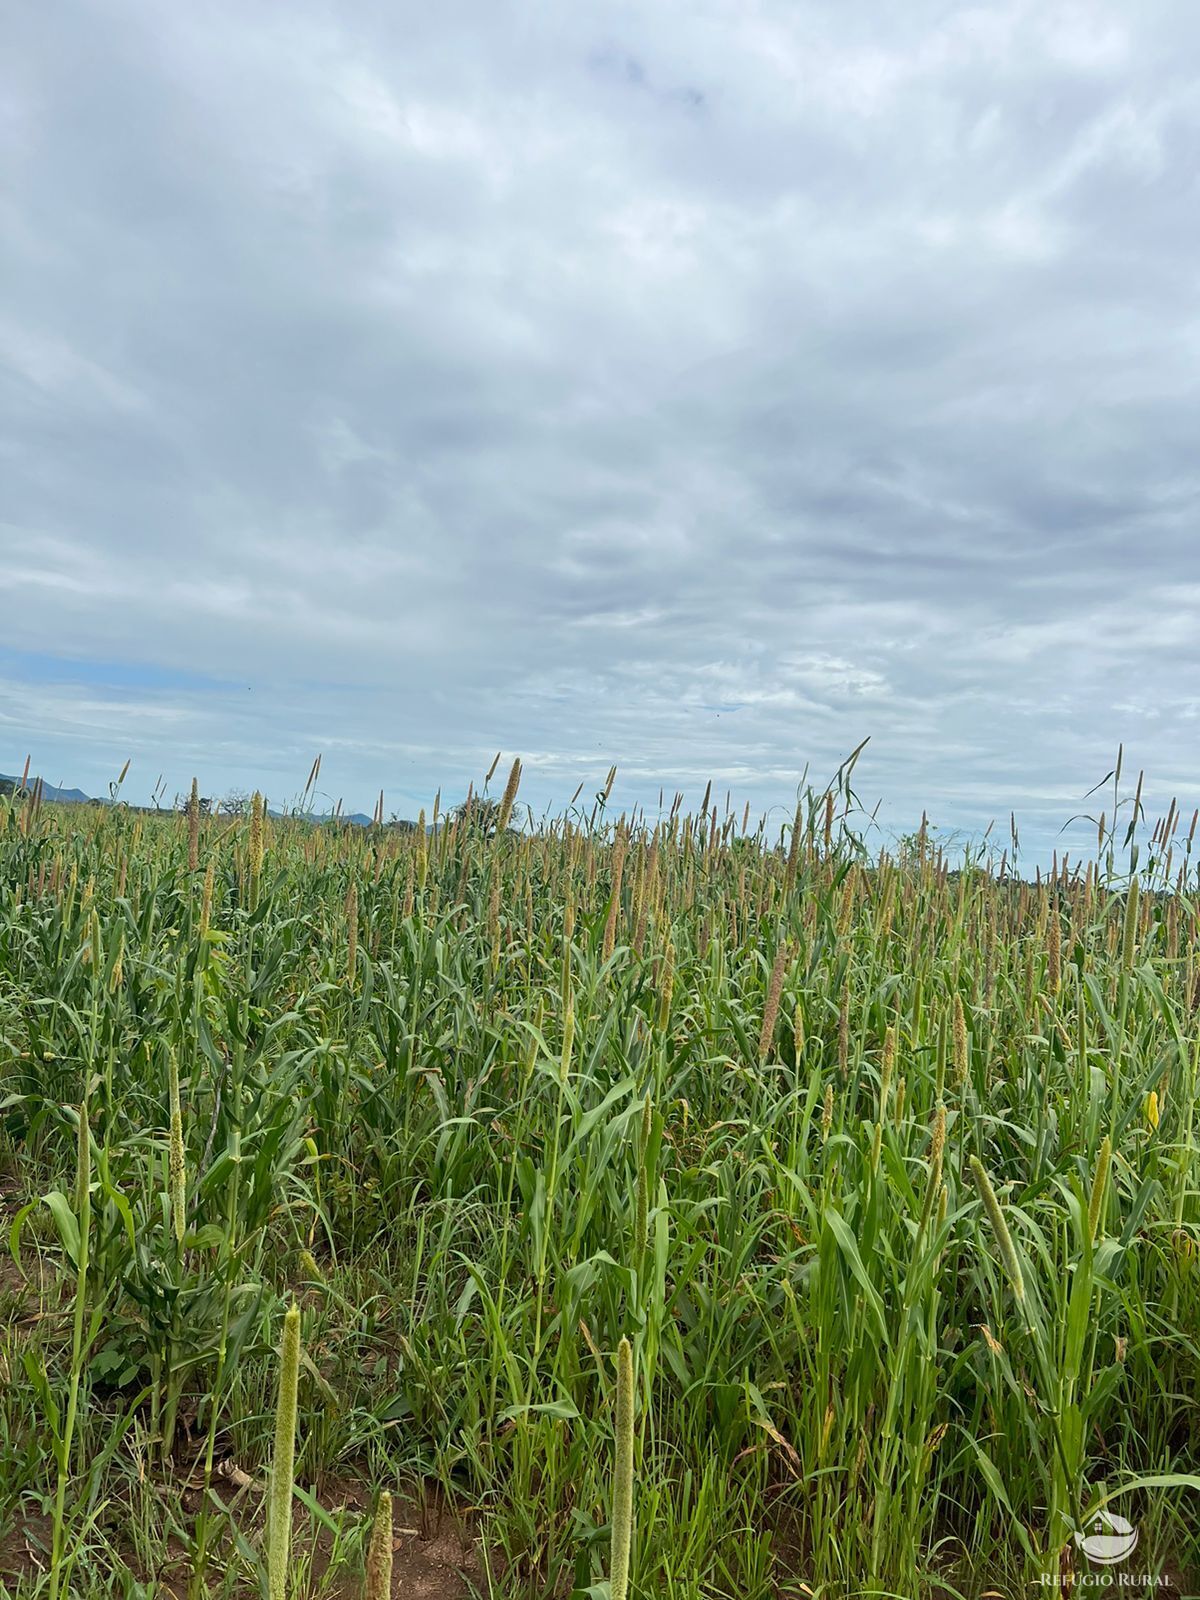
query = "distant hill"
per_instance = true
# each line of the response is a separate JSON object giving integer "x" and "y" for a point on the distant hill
{"x": 70, "y": 797}
{"x": 76, "y": 797}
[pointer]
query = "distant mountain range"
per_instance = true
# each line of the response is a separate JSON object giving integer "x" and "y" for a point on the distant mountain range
{"x": 71, "y": 797}
{"x": 76, "y": 797}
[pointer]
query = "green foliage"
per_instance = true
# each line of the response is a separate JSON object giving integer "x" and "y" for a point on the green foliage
{"x": 861, "y": 1159}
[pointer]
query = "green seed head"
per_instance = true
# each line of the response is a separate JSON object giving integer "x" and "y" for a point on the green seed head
{"x": 1054, "y": 950}
{"x": 766, "y": 1037}
{"x": 564, "y": 1066}
{"x": 666, "y": 987}
{"x": 83, "y": 1168}
{"x": 351, "y": 933}
{"x": 279, "y": 1514}
{"x": 886, "y": 1069}
{"x": 1099, "y": 1186}
{"x": 622, "y": 1492}
{"x": 991, "y": 1205}
{"x": 510, "y": 796}
{"x": 937, "y": 1143}
{"x": 193, "y": 827}
{"x": 1129, "y": 942}
{"x": 379, "y": 1556}
{"x": 961, "y": 1059}
{"x": 844, "y": 1032}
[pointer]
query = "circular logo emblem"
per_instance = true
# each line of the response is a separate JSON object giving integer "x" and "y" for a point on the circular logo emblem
{"x": 1107, "y": 1539}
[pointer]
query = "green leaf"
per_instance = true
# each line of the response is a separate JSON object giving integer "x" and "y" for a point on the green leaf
{"x": 848, "y": 1246}
{"x": 65, "y": 1221}
{"x": 560, "y": 1410}
{"x": 994, "y": 1482}
{"x": 209, "y": 1237}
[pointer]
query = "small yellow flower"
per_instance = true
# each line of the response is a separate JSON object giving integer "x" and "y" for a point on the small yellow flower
{"x": 1152, "y": 1108}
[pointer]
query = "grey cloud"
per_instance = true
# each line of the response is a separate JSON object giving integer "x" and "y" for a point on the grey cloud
{"x": 700, "y": 391}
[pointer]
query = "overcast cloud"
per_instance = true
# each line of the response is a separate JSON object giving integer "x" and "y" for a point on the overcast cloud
{"x": 700, "y": 388}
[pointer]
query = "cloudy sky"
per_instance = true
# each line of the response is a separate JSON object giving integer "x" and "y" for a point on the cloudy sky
{"x": 696, "y": 387}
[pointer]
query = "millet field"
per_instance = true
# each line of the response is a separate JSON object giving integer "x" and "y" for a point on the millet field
{"x": 640, "y": 1206}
